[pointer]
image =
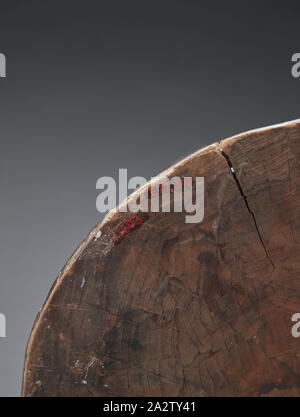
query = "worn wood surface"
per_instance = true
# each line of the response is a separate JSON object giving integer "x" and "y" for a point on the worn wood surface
{"x": 180, "y": 309}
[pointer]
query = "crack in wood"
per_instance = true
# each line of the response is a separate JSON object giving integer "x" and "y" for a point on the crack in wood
{"x": 233, "y": 172}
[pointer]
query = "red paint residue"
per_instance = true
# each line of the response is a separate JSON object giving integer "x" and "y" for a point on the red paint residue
{"x": 175, "y": 185}
{"x": 127, "y": 227}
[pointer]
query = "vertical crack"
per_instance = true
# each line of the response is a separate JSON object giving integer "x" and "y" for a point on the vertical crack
{"x": 245, "y": 200}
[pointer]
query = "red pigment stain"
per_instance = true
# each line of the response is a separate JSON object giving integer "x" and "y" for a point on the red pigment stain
{"x": 126, "y": 228}
{"x": 161, "y": 188}
{"x": 137, "y": 221}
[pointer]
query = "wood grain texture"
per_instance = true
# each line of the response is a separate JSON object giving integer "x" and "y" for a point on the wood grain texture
{"x": 181, "y": 309}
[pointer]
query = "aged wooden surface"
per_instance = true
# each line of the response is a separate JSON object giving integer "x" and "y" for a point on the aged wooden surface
{"x": 180, "y": 309}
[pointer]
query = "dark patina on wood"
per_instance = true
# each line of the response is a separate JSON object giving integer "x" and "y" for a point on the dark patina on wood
{"x": 180, "y": 309}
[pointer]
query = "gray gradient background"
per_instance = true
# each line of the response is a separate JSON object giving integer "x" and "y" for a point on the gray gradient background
{"x": 94, "y": 86}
